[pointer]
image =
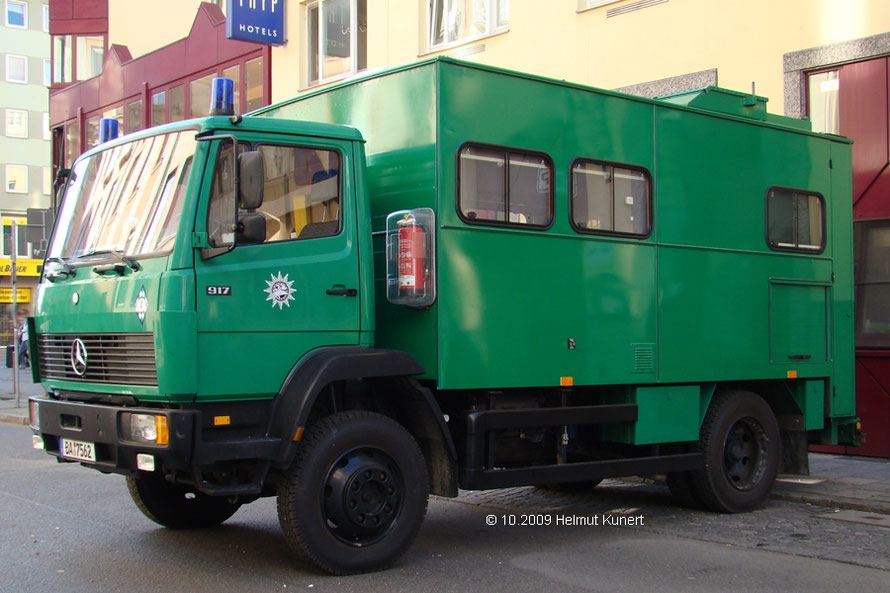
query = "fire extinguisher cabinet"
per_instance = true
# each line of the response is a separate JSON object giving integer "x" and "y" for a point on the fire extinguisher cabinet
{"x": 411, "y": 257}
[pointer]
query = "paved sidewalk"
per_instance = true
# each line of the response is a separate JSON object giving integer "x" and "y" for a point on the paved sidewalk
{"x": 856, "y": 483}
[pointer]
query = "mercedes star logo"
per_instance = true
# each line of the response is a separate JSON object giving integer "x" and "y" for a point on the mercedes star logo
{"x": 79, "y": 357}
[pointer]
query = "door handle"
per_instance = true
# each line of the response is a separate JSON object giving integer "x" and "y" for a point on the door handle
{"x": 342, "y": 292}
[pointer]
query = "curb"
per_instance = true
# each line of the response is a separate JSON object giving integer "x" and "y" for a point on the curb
{"x": 13, "y": 419}
{"x": 839, "y": 502}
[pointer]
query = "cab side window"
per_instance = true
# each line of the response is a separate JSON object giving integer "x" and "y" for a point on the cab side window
{"x": 301, "y": 197}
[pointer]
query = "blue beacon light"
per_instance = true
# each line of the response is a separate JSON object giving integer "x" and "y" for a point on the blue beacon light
{"x": 108, "y": 129}
{"x": 222, "y": 97}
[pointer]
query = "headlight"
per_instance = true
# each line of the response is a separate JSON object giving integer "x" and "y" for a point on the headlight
{"x": 149, "y": 428}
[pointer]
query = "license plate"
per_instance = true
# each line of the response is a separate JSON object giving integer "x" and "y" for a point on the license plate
{"x": 77, "y": 450}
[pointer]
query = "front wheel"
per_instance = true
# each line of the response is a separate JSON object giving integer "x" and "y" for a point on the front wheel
{"x": 355, "y": 497}
{"x": 176, "y": 505}
{"x": 741, "y": 443}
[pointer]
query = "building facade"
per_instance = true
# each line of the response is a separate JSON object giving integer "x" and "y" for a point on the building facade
{"x": 828, "y": 60}
{"x": 24, "y": 145}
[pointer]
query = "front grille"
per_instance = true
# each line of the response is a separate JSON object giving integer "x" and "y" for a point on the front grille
{"x": 125, "y": 359}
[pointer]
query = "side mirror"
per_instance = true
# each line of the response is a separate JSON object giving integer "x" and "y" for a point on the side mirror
{"x": 251, "y": 228}
{"x": 251, "y": 173}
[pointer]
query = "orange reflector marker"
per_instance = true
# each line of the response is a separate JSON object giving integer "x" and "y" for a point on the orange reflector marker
{"x": 163, "y": 432}
{"x": 792, "y": 374}
{"x": 566, "y": 381}
{"x": 859, "y": 426}
{"x": 299, "y": 434}
{"x": 222, "y": 420}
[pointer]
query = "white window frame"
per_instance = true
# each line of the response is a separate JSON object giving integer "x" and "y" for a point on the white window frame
{"x": 353, "y": 42}
{"x": 23, "y": 5}
{"x": 10, "y": 57}
{"x": 591, "y": 4}
{"x": 492, "y": 27}
{"x": 6, "y": 180}
{"x": 47, "y": 72}
{"x": 46, "y": 18}
{"x": 24, "y": 117}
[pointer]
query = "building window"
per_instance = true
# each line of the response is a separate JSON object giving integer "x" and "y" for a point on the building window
{"x": 47, "y": 181}
{"x": 47, "y": 134}
{"x": 159, "y": 108}
{"x": 17, "y": 179}
{"x": 72, "y": 142}
{"x": 254, "y": 84}
{"x": 871, "y": 244}
{"x": 134, "y": 116}
{"x": 199, "y": 96}
{"x": 63, "y": 59}
{"x": 507, "y": 187}
{"x": 177, "y": 103}
{"x": 824, "y": 90}
{"x": 457, "y": 21}
{"x": 795, "y": 220}
{"x": 234, "y": 74}
{"x": 337, "y": 39}
{"x": 47, "y": 72}
{"x": 46, "y": 18}
{"x": 16, "y": 123}
{"x": 92, "y": 131}
{"x": 90, "y": 55}
{"x": 588, "y": 4}
{"x": 16, "y": 14}
{"x": 118, "y": 114}
{"x": 610, "y": 199}
{"x": 17, "y": 69}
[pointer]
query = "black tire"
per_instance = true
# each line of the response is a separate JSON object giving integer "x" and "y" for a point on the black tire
{"x": 356, "y": 494}
{"x": 178, "y": 506}
{"x": 571, "y": 487}
{"x": 742, "y": 447}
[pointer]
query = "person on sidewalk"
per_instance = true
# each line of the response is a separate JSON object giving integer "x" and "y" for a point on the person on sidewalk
{"x": 24, "y": 359}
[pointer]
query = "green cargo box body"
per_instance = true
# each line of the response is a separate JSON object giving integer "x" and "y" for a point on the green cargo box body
{"x": 701, "y": 300}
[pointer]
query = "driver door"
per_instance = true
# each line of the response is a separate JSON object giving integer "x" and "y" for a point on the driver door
{"x": 262, "y": 306}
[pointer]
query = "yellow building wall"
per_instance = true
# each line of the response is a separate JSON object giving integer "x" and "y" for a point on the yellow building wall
{"x": 745, "y": 41}
{"x": 145, "y": 27}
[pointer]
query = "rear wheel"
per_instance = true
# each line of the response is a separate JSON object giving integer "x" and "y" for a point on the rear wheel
{"x": 178, "y": 506}
{"x": 356, "y": 495}
{"x": 741, "y": 443}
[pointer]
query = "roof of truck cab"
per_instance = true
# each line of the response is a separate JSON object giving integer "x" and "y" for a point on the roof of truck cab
{"x": 225, "y": 125}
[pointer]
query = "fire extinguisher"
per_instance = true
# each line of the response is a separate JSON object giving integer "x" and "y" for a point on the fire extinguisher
{"x": 412, "y": 251}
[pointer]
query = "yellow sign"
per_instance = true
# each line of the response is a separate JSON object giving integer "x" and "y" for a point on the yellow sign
{"x": 23, "y": 294}
{"x": 23, "y": 267}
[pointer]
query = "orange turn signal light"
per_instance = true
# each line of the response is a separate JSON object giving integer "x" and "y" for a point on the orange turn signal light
{"x": 163, "y": 437}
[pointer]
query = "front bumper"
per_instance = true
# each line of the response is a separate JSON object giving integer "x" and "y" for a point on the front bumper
{"x": 191, "y": 454}
{"x": 102, "y": 426}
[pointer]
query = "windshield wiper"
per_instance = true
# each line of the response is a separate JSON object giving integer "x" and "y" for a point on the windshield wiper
{"x": 130, "y": 263}
{"x": 68, "y": 271}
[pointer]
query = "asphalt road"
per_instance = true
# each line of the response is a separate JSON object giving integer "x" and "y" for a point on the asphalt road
{"x": 65, "y": 528}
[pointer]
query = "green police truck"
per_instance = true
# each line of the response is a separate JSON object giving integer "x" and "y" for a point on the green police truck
{"x": 447, "y": 276}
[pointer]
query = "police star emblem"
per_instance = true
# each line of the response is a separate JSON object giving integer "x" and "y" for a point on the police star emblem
{"x": 141, "y": 305}
{"x": 280, "y": 290}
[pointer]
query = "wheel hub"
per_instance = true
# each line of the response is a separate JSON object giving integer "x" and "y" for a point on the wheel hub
{"x": 744, "y": 455}
{"x": 362, "y": 496}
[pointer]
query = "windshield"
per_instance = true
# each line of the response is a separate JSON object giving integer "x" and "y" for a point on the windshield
{"x": 127, "y": 199}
